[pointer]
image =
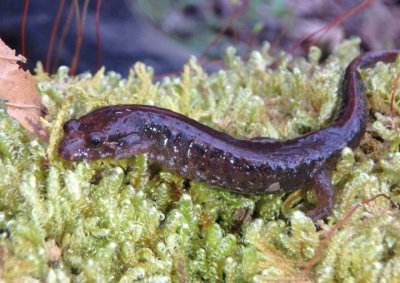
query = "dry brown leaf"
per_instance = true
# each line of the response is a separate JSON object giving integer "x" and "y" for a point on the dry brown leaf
{"x": 18, "y": 90}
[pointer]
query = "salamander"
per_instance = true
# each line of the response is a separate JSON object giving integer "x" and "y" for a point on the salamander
{"x": 198, "y": 152}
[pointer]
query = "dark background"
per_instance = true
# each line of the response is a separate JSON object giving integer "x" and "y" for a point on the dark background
{"x": 163, "y": 34}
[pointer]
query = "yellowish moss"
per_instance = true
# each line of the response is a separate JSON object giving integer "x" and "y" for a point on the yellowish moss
{"x": 117, "y": 221}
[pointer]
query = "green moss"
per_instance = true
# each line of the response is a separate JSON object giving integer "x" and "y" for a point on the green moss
{"x": 114, "y": 221}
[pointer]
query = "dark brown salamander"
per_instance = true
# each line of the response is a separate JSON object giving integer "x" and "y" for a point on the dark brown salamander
{"x": 195, "y": 151}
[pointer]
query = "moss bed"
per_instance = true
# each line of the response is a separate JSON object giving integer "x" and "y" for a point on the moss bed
{"x": 110, "y": 220}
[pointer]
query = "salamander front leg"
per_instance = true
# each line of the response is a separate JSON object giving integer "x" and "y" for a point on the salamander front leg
{"x": 325, "y": 194}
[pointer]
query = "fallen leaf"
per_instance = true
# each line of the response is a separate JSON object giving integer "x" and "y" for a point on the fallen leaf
{"x": 19, "y": 92}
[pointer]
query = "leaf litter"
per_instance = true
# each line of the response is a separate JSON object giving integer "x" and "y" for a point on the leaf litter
{"x": 19, "y": 93}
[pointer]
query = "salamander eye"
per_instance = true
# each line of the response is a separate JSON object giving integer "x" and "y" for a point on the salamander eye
{"x": 95, "y": 139}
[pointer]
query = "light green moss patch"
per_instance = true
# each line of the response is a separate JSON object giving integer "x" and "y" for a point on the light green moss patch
{"x": 116, "y": 221}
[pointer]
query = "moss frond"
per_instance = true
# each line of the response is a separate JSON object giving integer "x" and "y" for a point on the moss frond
{"x": 121, "y": 221}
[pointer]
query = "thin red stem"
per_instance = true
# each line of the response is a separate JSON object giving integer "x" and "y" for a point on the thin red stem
{"x": 53, "y": 35}
{"x": 98, "y": 42}
{"x": 232, "y": 20}
{"x": 329, "y": 26}
{"x": 218, "y": 36}
{"x": 23, "y": 23}
{"x": 62, "y": 37}
{"x": 80, "y": 27}
{"x": 326, "y": 28}
{"x": 74, "y": 61}
{"x": 307, "y": 267}
{"x": 396, "y": 82}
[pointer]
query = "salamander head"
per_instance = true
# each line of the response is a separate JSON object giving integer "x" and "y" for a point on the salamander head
{"x": 102, "y": 134}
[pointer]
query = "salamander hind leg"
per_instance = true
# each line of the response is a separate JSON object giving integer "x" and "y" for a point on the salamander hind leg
{"x": 325, "y": 194}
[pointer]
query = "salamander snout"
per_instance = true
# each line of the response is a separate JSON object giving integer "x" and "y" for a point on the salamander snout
{"x": 72, "y": 149}
{"x": 82, "y": 143}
